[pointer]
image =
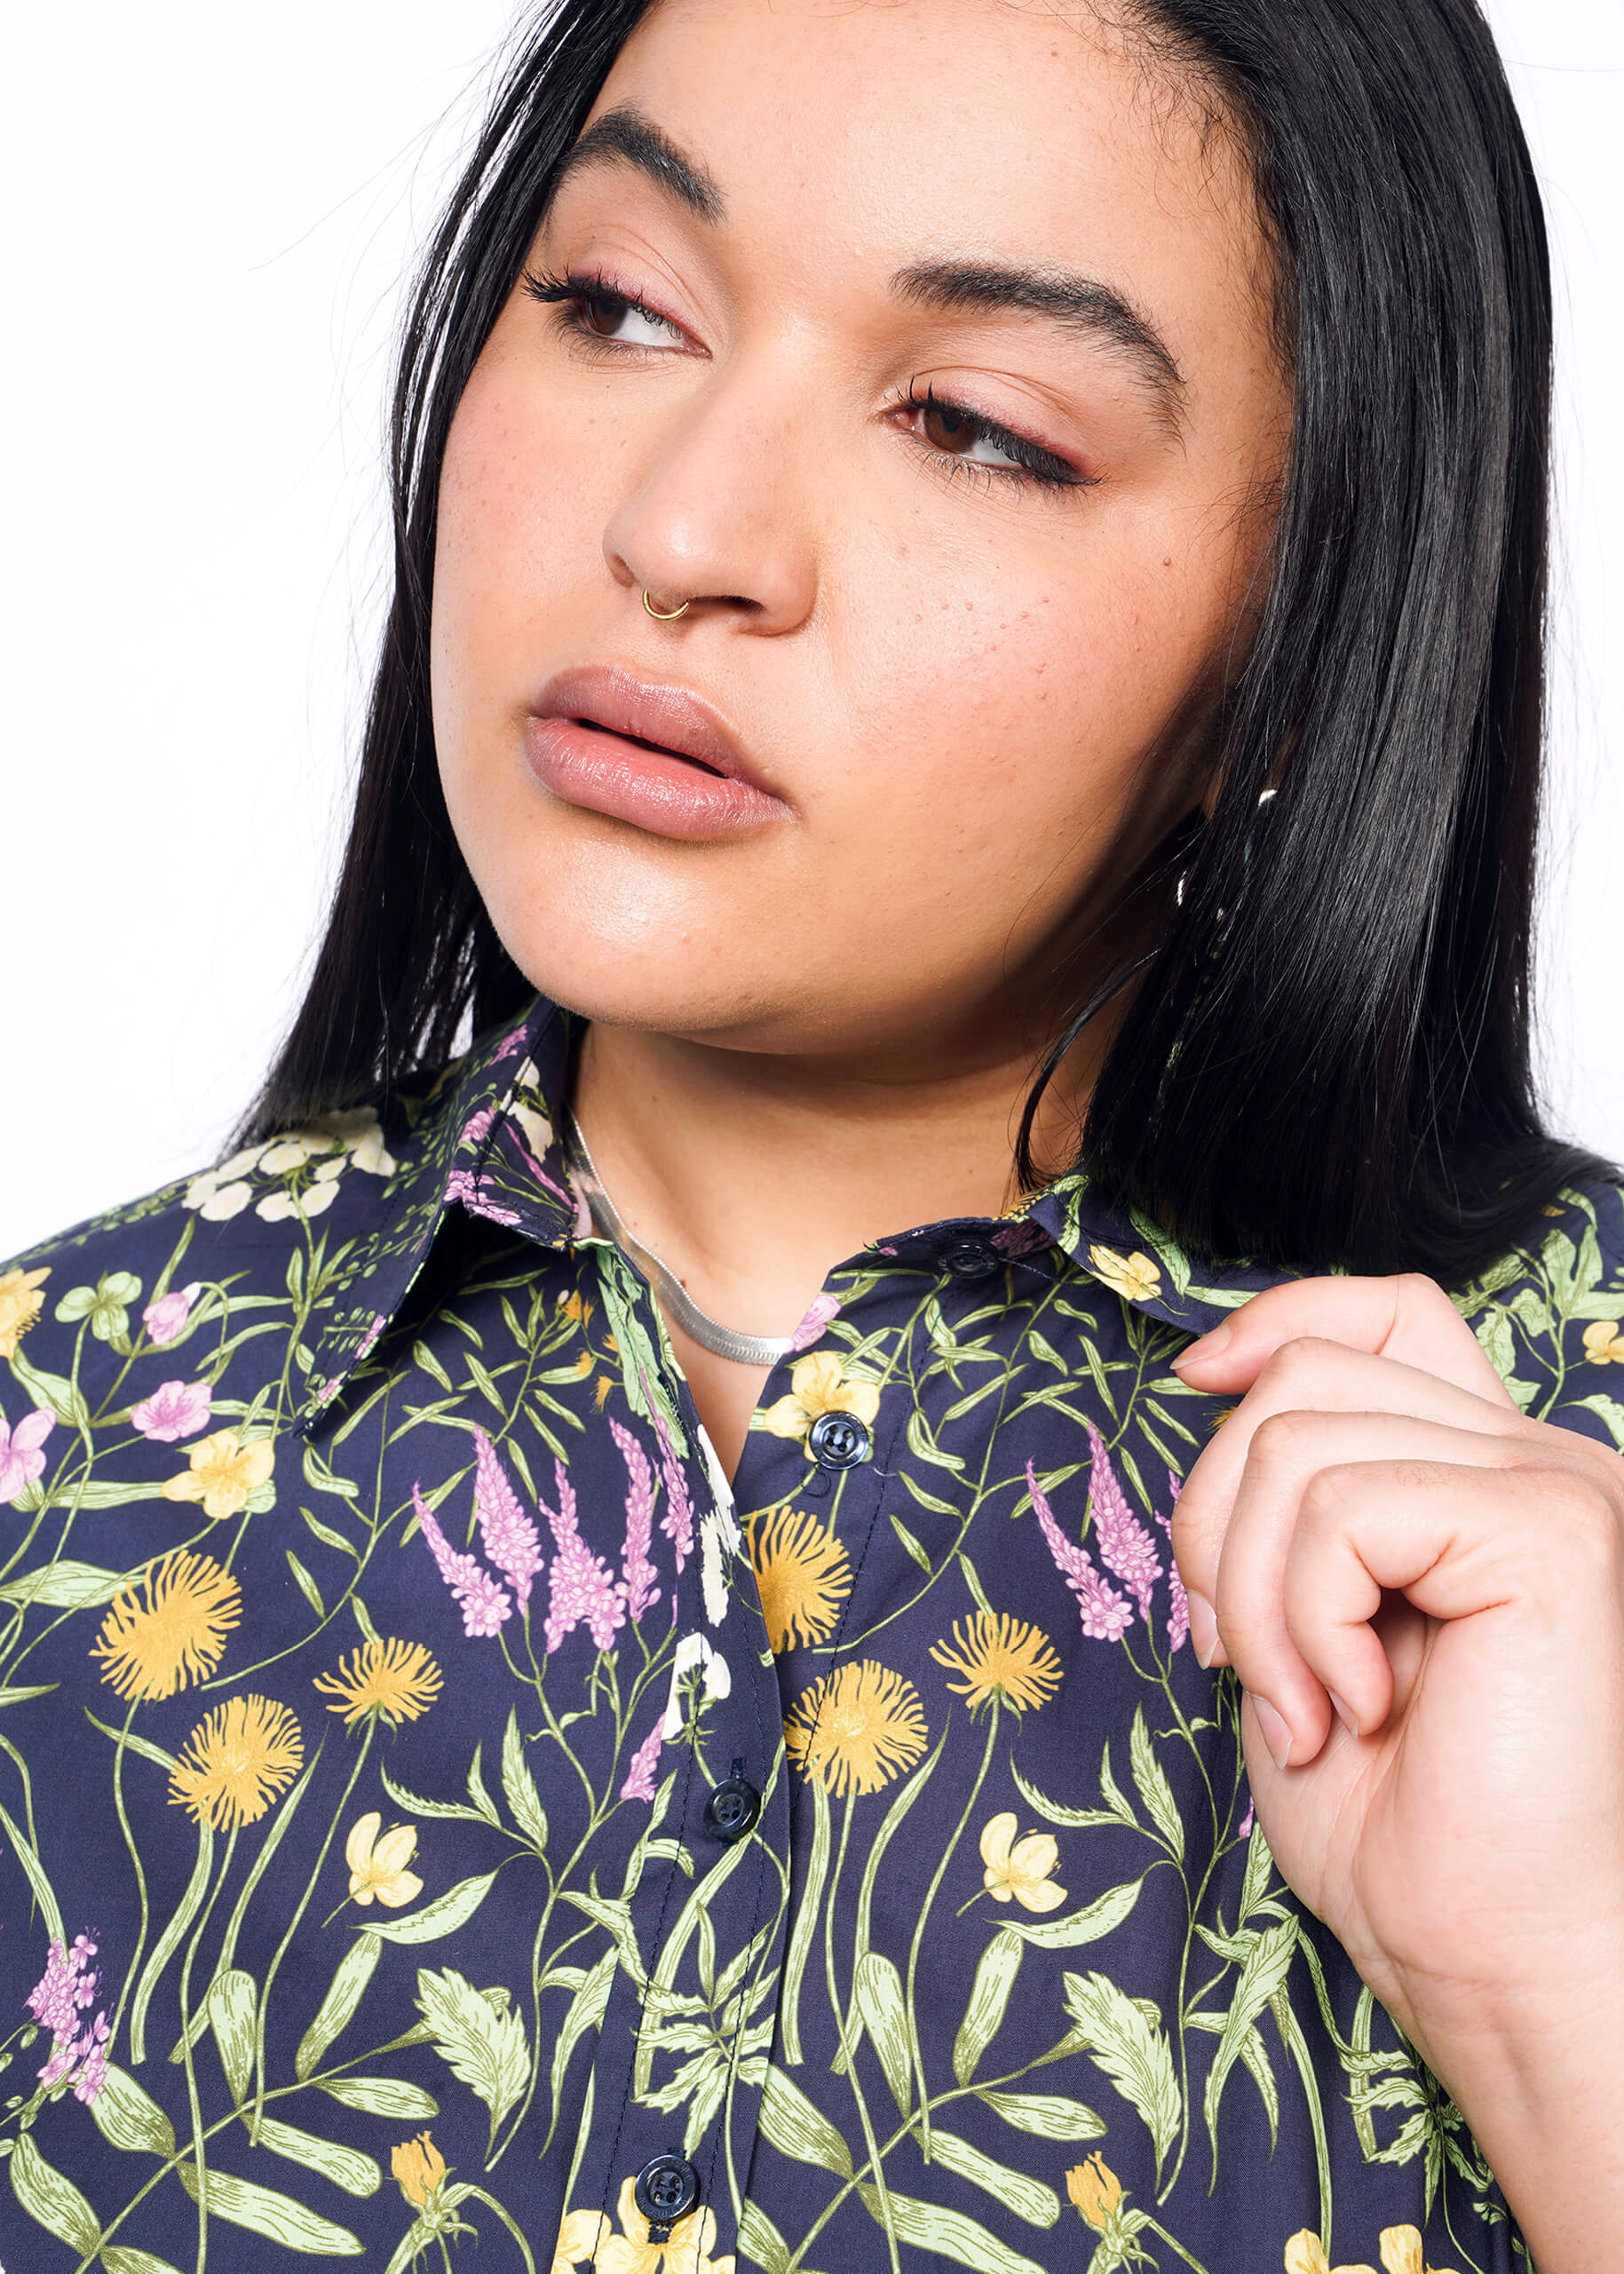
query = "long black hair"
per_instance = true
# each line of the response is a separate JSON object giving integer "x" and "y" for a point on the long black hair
{"x": 1326, "y": 1058}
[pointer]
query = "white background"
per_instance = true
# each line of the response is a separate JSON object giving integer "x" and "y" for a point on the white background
{"x": 208, "y": 217}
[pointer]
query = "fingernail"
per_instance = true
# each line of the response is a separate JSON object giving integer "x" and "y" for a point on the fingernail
{"x": 1275, "y": 1735}
{"x": 1203, "y": 1627}
{"x": 1344, "y": 1716}
{"x": 1208, "y": 1346}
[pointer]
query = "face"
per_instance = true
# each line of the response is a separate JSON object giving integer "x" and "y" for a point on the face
{"x": 924, "y": 349}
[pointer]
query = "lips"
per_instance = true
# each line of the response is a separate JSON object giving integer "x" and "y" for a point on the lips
{"x": 655, "y": 756}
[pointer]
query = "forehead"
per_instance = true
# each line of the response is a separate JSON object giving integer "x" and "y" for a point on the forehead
{"x": 882, "y": 128}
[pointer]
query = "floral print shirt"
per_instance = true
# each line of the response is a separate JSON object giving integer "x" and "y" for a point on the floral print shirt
{"x": 441, "y": 1823}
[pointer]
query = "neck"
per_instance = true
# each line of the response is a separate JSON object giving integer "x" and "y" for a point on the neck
{"x": 752, "y": 1174}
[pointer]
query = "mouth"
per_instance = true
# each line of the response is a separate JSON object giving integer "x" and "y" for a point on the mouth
{"x": 656, "y": 755}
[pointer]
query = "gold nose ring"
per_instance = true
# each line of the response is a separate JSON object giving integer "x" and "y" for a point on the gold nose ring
{"x": 666, "y": 615}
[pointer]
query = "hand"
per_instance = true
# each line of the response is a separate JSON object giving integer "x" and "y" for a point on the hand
{"x": 1422, "y": 1595}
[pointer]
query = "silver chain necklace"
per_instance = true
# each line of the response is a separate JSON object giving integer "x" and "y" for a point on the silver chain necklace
{"x": 721, "y": 1341}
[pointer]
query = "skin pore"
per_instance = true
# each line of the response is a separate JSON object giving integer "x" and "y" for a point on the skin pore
{"x": 974, "y": 664}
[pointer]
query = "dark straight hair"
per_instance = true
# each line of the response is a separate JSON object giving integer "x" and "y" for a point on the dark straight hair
{"x": 1325, "y": 1057}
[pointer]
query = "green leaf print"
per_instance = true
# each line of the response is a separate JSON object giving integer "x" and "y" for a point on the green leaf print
{"x": 1131, "y": 2049}
{"x": 1610, "y": 1412}
{"x": 1154, "y": 1790}
{"x": 54, "y": 2201}
{"x": 1089, "y": 1925}
{"x": 518, "y": 1784}
{"x": 486, "y": 2050}
{"x": 932, "y": 2227}
{"x": 1051, "y": 2115}
{"x": 390, "y": 2097}
{"x": 34, "y": 1872}
{"x": 266, "y": 2212}
{"x": 798, "y": 2128}
{"x": 878, "y": 1991}
{"x": 989, "y": 2001}
{"x": 128, "y": 2117}
{"x": 347, "y": 2168}
{"x": 1261, "y": 1976}
{"x": 336, "y": 2010}
{"x": 119, "y": 2259}
{"x": 67, "y": 1585}
{"x": 1027, "y": 2197}
{"x": 232, "y": 2001}
{"x": 443, "y": 1916}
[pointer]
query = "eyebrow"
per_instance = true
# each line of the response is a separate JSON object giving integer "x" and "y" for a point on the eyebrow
{"x": 627, "y": 136}
{"x": 1080, "y": 304}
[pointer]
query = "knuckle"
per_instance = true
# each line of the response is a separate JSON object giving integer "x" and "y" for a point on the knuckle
{"x": 1280, "y": 1438}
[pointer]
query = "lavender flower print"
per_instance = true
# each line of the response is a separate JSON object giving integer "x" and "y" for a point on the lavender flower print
{"x": 1126, "y": 1549}
{"x": 509, "y": 1539}
{"x": 582, "y": 1590}
{"x": 677, "y": 1522}
{"x": 483, "y": 1604}
{"x": 66, "y": 1989}
{"x": 640, "y": 1783}
{"x": 639, "y": 1572}
{"x": 1106, "y": 1615}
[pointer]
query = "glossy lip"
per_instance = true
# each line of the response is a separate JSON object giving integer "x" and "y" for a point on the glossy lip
{"x": 586, "y": 741}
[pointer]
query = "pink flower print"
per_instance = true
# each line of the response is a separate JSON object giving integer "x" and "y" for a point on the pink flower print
{"x": 478, "y": 1126}
{"x": 1243, "y": 1830}
{"x": 67, "y": 1987}
{"x": 677, "y": 1522}
{"x": 581, "y": 1589}
{"x": 510, "y": 1045}
{"x": 483, "y": 1604}
{"x": 176, "y": 1409}
{"x": 640, "y": 1783}
{"x": 811, "y": 1329}
{"x": 1126, "y": 1549}
{"x": 164, "y": 1319}
{"x": 1019, "y": 1239}
{"x": 510, "y": 1540}
{"x": 639, "y": 1574}
{"x": 22, "y": 1456}
{"x": 1179, "y": 1602}
{"x": 1106, "y": 1615}
{"x": 375, "y": 1328}
{"x": 461, "y": 1186}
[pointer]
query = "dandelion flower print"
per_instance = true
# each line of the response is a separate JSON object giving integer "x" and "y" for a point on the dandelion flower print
{"x": 236, "y": 1761}
{"x": 1000, "y": 1657}
{"x": 396, "y": 1680}
{"x": 20, "y": 1305}
{"x": 857, "y": 1728}
{"x": 169, "y": 1629}
{"x": 802, "y": 1572}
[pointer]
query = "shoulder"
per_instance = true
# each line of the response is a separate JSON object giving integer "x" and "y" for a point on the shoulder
{"x": 144, "y": 1279}
{"x": 1550, "y": 1313}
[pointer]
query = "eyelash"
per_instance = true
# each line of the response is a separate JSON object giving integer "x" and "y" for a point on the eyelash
{"x": 571, "y": 293}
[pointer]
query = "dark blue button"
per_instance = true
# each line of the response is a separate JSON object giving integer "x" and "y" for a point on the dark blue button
{"x": 969, "y": 1258}
{"x": 838, "y": 1441}
{"x": 732, "y": 1809}
{"x": 666, "y": 2190}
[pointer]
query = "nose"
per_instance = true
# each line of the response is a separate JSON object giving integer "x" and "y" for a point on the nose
{"x": 716, "y": 516}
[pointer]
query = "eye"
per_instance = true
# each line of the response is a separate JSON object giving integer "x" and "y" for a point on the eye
{"x": 965, "y": 438}
{"x": 594, "y": 309}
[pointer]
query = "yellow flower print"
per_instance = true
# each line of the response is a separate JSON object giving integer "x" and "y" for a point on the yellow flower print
{"x": 1400, "y": 2248}
{"x": 1135, "y": 1278}
{"x": 1020, "y": 1867}
{"x": 397, "y": 1679}
{"x": 223, "y": 1473}
{"x": 687, "y": 2251}
{"x": 817, "y": 1385}
{"x": 856, "y": 1729}
{"x": 578, "y": 2241}
{"x": 236, "y": 1761}
{"x": 20, "y": 1305}
{"x": 1604, "y": 1344}
{"x": 419, "y": 2168}
{"x": 1000, "y": 1657}
{"x": 377, "y": 1867}
{"x": 155, "y": 1642}
{"x": 802, "y": 1572}
{"x": 1096, "y": 2192}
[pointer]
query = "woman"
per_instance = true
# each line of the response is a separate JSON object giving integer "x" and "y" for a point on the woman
{"x": 966, "y": 656}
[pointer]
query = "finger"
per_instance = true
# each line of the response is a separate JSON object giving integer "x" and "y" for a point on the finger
{"x": 1407, "y": 1318}
{"x": 1457, "y": 1546}
{"x": 1281, "y": 1493}
{"x": 1307, "y": 1378}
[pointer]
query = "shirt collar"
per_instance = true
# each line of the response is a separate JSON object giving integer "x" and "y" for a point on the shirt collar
{"x": 484, "y": 1139}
